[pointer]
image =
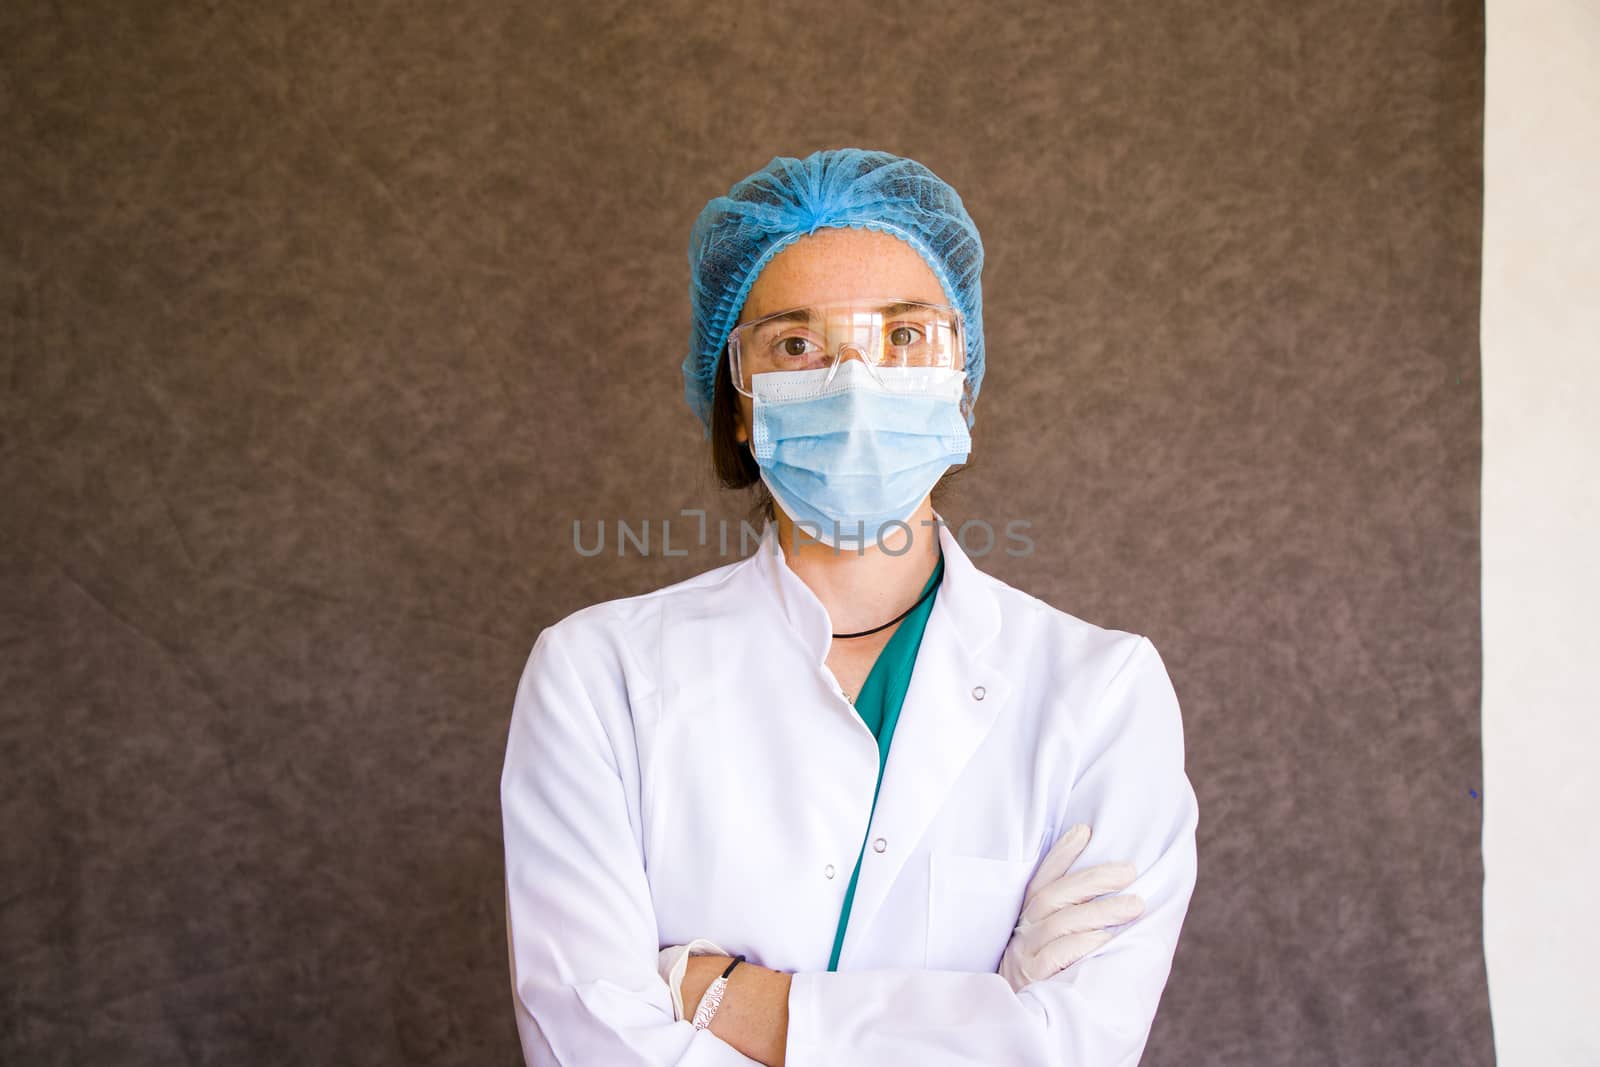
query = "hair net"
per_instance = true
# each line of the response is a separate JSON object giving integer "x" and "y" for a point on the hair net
{"x": 737, "y": 235}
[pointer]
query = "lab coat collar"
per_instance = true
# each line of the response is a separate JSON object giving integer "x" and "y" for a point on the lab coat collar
{"x": 969, "y": 606}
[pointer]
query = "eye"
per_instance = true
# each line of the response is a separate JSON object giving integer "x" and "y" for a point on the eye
{"x": 793, "y": 346}
{"x": 904, "y": 336}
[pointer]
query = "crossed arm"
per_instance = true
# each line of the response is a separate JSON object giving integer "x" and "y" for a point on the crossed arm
{"x": 583, "y": 940}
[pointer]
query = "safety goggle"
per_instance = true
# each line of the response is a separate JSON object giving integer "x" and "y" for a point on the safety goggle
{"x": 885, "y": 333}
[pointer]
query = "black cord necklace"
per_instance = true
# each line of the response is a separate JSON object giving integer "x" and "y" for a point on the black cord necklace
{"x": 934, "y": 588}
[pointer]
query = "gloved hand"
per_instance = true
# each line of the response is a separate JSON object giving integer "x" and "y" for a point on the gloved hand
{"x": 1061, "y": 921}
{"x": 673, "y": 962}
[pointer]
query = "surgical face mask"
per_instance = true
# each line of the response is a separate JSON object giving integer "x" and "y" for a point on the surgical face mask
{"x": 848, "y": 458}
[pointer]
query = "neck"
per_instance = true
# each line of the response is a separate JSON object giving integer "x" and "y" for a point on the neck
{"x": 863, "y": 587}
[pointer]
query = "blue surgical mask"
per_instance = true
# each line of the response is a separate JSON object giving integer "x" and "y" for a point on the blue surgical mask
{"x": 846, "y": 460}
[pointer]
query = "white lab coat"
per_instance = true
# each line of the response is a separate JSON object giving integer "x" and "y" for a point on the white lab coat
{"x": 682, "y": 764}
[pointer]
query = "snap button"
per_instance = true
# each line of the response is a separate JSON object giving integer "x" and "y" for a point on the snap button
{"x": 977, "y": 692}
{"x": 827, "y": 872}
{"x": 879, "y": 845}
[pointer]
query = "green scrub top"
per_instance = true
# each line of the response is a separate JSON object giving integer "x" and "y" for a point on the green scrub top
{"x": 879, "y": 707}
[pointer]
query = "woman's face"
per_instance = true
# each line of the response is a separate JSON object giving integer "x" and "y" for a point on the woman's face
{"x": 835, "y": 264}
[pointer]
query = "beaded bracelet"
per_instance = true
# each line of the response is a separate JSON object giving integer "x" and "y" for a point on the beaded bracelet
{"x": 713, "y": 996}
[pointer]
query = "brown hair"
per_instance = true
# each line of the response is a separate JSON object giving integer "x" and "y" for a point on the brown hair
{"x": 737, "y": 469}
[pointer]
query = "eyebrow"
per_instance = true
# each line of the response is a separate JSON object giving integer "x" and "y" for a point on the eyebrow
{"x": 799, "y": 314}
{"x": 900, "y": 305}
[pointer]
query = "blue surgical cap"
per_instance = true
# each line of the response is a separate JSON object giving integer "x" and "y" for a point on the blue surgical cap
{"x": 737, "y": 235}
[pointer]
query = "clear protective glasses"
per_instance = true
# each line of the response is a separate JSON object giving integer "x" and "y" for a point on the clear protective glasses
{"x": 885, "y": 333}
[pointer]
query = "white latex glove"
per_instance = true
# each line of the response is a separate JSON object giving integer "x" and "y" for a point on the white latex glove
{"x": 673, "y": 963}
{"x": 1061, "y": 921}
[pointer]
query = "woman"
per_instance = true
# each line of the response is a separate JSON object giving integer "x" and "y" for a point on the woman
{"x": 713, "y": 854}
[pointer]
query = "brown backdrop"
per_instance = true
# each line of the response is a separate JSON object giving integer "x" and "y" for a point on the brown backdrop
{"x": 322, "y": 326}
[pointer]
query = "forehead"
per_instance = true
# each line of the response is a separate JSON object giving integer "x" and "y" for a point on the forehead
{"x": 841, "y": 264}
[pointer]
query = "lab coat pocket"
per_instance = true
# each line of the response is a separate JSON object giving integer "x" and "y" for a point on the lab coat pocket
{"x": 974, "y": 903}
